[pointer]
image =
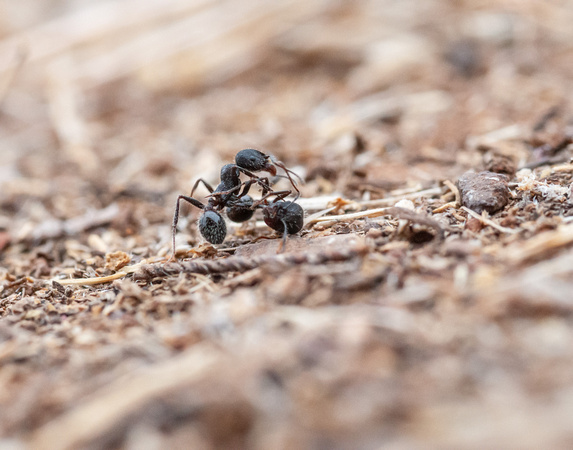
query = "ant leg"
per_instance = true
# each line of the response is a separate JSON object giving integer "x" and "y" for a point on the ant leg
{"x": 224, "y": 193}
{"x": 282, "y": 245}
{"x": 280, "y": 195}
{"x": 191, "y": 200}
{"x": 201, "y": 180}
{"x": 288, "y": 173}
{"x": 282, "y": 166}
{"x": 246, "y": 187}
{"x": 263, "y": 182}
{"x": 292, "y": 182}
{"x": 265, "y": 185}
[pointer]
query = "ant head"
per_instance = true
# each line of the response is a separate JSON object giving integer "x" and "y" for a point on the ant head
{"x": 255, "y": 161}
{"x": 230, "y": 174}
{"x": 212, "y": 227}
{"x": 280, "y": 214}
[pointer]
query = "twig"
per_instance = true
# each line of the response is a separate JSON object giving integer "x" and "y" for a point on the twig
{"x": 202, "y": 281}
{"x": 414, "y": 217}
{"x": 53, "y": 229}
{"x": 322, "y": 202}
{"x": 540, "y": 245}
{"x": 377, "y": 212}
{"x": 393, "y": 200}
{"x": 92, "y": 281}
{"x": 316, "y": 215}
{"x": 546, "y": 162}
{"x": 394, "y": 211}
{"x": 550, "y": 114}
{"x": 452, "y": 187}
{"x": 501, "y": 134}
{"x": 240, "y": 264}
{"x": 445, "y": 207}
{"x": 99, "y": 280}
{"x": 455, "y": 204}
{"x": 489, "y": 222}
{"x": 98, "y": 417}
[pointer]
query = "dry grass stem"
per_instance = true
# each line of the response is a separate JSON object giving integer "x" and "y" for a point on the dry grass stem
{"x": 452, "y": 187}
{"x": 489, "y": 222}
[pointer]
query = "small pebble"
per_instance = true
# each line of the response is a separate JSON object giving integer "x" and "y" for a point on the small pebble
{"x": 484, "y": 191}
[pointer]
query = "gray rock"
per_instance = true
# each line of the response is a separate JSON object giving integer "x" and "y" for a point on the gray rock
{"x": 484, "y": 191}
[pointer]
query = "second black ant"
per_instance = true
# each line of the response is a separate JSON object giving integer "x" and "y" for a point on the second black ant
{"x": 285, "y": 217}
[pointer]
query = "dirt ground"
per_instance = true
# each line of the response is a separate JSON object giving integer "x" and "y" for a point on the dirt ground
{"x": 402, "y": 316}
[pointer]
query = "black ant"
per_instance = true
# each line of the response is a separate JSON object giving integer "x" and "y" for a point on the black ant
{"x": 283, "y": 217}
{"x": 240, "y": 206}
{"x": 250, "y": 160}
{"x": 226, "y": 195}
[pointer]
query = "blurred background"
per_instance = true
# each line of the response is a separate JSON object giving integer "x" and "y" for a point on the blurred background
{"x": 110, "y": 109}
{"x": 102, "y": 101}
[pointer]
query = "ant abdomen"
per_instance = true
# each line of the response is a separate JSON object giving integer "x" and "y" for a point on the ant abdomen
{"x": 280, "y": 214}
{"x": 212, "y": 227}
{"x": 241, "y": 210}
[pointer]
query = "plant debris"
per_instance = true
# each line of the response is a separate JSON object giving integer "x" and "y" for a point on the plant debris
{"x": 409, "y": 311}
